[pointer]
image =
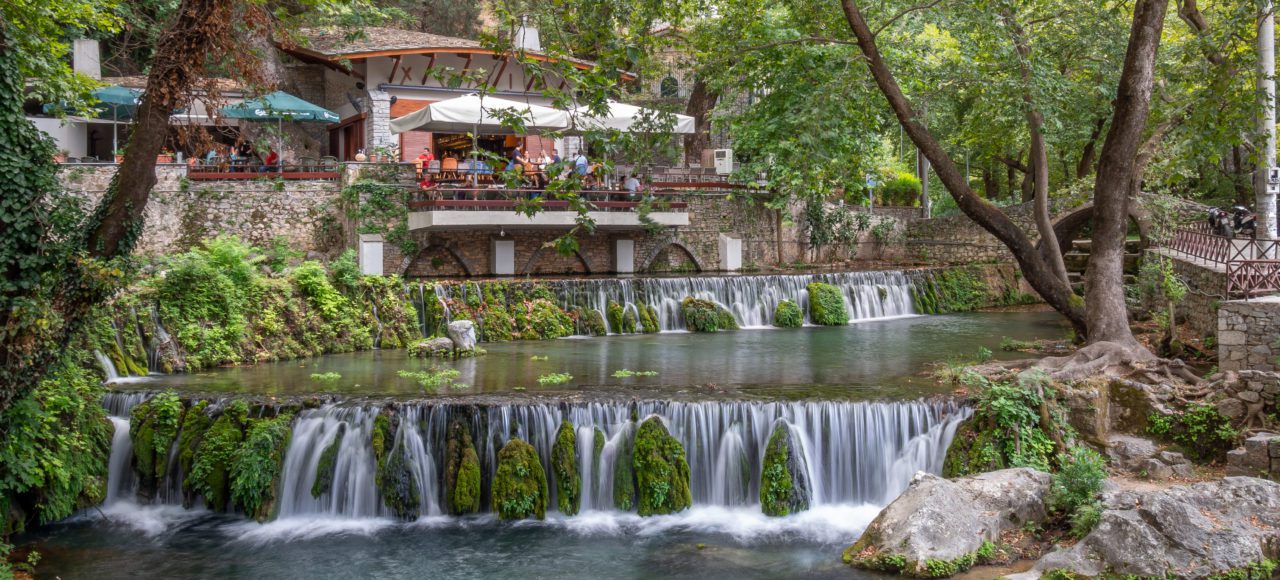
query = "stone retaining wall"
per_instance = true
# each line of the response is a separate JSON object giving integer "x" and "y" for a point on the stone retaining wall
{"x": 1206, "y": 289}
{"x": 1249, "y": 334}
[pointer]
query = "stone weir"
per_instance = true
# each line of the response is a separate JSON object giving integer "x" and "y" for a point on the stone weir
{"x": 641, "y": 305}
{"x": 519, "y": 459}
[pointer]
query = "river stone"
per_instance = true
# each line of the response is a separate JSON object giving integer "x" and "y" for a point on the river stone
{"x": 1173, "y": 458}
{"x": 946, "y": 519}
{"x": 1188, "y": 531}
{"x": 463, "y": 334}
{"x": 1231, "y": 408}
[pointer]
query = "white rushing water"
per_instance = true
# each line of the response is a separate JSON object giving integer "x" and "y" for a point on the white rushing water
{"x": 751, "y": 299}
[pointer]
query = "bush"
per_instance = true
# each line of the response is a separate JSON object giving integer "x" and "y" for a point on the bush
{"x": 1076, "y": 486}
{"x": 1003, "y": 432}
{"x": 661, "y": 471}
{"x": 256, "y": 471}
{"x": 313, "y": 283}
{"x": 902, "y": 189}
{"x": 520, "y": 484}
{"x": 706, "y": 316}
{"x": 1199, "y": 429}
{"x": 345, "y": 273}
{"x": 497, "y": 324}
{"x": 541, "y": 319}
{"x": 788, "y": 315}
{"x": 826, "y": 305}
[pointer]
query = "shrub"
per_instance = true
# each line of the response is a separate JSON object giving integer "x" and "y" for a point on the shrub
{"x": 788, "y": 315}
{"x": 314, "y": 285}
{"x": 1076, "y": 486}
{"x": 257, "y": 466}
{"x": 344, "y": 271}
{"x": 1199, "y": 429}
{"x": 826, "y": 305}
{"x": 497, "y": 325}
{"x": 541, "y": 319}
{"x": 564, "y": 465}
{"x": 706, "y": 316}
{"x": 902, "y": 189}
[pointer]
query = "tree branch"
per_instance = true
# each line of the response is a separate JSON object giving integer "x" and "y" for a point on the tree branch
{"x": 904, "y": 12}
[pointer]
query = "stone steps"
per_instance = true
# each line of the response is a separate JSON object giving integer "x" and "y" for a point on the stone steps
{"x": 1084, "y": 246}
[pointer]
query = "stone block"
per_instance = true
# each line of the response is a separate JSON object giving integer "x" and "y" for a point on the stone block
{"x": 1231, "y": 338}
{"x": 1257, "y": 452}
{"x": 1156, "y": 470}
{"x": 1248, "y": 396}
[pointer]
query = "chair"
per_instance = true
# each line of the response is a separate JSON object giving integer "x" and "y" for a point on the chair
{"x": 449, "y": 168}
{"x": 307, "y": 164}
{"x": 433, "y": 167}
{"x": 329, "y": 163}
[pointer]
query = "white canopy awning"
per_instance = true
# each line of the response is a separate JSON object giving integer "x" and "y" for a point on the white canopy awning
{"x": 632, "y": 119}
{"x": 473, "y": 113}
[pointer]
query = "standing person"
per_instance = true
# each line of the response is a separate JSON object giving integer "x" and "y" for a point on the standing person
{"x": 424, "y": 163}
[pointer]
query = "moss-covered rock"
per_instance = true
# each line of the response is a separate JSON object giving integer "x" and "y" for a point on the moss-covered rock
{"x": 564, "y": 466}
{"x": 462, "y": 471}
{"x": 783, "y": 487}
{"x": 629, "y": 321}
{"x": 706, "y": 316}
{"x": 826, "y": 305}
{"x": 195, "y": 422}
{"x": 972, "y": 451}
{"x": 255, "y": 472}
{"x": 153, "y": 427}
{"x": 542, "y": 319}
{"x": 397, "y": 483}
{"x": 649, "y": 319}
{"x": 328, "y": 463}
{"x": 590, "y": 322}
{"x": 624, "y": 475}
{"x": 614, "y": 312}
{"x": 520, "y": 484}
{"x": 210, "y": 471}
{"x": 661, "y": 470}
{"x": 788, "y": 315}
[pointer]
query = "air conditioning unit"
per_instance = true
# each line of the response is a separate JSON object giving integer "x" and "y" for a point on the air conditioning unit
{"x": 724, "y": 161}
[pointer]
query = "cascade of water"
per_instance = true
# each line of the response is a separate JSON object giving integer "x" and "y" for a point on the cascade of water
{"x": 377, "y": 334}
{"x": 846, "y": 452}
{"x": 153, "y": 346}
{"x": 108, "y": 367}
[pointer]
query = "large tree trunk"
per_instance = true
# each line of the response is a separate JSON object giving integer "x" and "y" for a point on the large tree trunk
{"x": 1056, "y": 292}
{"x": 1106, "y": 314}
{"x": 701, "y": 100}
{"x": 1039, "y": 158}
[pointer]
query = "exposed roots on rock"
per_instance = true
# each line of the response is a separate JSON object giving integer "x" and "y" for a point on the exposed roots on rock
{"x": 1120, "y": 361}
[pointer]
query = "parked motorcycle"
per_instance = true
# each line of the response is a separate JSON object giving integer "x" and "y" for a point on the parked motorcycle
{"x": 1238, "y": 223}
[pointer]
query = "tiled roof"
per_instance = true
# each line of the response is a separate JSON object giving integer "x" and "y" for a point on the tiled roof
{"x": 335, "y": 42}
{"x": 140, "y": 82}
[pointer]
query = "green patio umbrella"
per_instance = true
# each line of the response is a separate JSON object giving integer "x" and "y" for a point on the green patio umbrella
{"x": 122, "y": 103}
{"x": 279, "y": 107}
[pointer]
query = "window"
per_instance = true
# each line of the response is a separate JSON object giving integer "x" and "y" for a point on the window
{"x": 670, "y": 87}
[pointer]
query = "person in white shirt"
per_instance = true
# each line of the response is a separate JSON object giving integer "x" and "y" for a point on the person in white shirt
{"x": 632, "y": 185}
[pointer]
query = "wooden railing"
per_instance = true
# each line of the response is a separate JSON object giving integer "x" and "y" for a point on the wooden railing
{"x": 1252, "y": 266}
{"x": 1253, "y": 277}
{"x": 510, "y": 199}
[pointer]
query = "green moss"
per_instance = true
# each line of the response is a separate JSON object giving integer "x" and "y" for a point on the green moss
{"x": 629, "y": 321}
{"x": 380, "y": 436}
{"x": 497, "y": 325}
{"x": 614, "y": 314}
{"x": 706, "y": 316}
{"x": 328, "y": 463}
{"x": 590, "y": 322}
{"x": 210, "y": 472}
{"x": 564, "y": 466}
{"x": 541, "y": 319}
{"x": 195, "y": 423}
{"x": 153, "y": 428}
{"x": 649, "y": 320}
{"x": 1261, "y": 570}
{"x": 788, "y": 315}
{"x": 597, "y": 447}
{"x": 826, "y": 305}
{"x": 397, "y": 484}
{"x": 661, "y": 470}
{"x": 462, "y": 471}
{"x": 520, "y": 484}
{"x": 255, "y": 471}
{"x": 624, "y": 475}
{"x": 778, "y": 493}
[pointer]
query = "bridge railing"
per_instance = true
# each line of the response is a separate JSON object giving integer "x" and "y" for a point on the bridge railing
{"x": 1252, "y": 266}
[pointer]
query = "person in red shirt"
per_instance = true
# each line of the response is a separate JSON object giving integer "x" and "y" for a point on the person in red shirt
{"x": 424, "y": 169}
{"x": 272, "y": 161}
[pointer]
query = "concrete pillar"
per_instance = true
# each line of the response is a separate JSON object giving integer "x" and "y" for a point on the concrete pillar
{"x": 370, "y": 254}
{"x": 378, "y": 130}
{"x": 86, "y": 58}
{"x": 504, "y": 257}
{"x": 624, "y": 256}
{"x": 730, "y": 253}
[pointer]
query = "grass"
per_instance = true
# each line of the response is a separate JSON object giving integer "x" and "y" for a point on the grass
{"x": 555, "y": 379}
{"x": 624, "y": 373}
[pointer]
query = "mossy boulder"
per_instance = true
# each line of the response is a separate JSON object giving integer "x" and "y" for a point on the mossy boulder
{"x": 520, "y": 484}
{"x": 462, "y": 471}
{"x": 629, "y": 321}
{"x": 661, "y": 470}
{"x": 706, "y": 316}
{"x": 788, "y": 315}
{"x": 590, "y": 322}
{"x": 649, "y": 319}
{"x": 784, "y": 488}
{"x": 153, "y": 428}
{"x": 624, "y": 475}
{"x": 826, "y": 305}
{"x": 564, "y": 465}
{"x": 972, "y": 451}
{"x": 394, "y": 476}
{"x": 211, "y": 469}
{"x": 614, "y": 314}
{"x": 328, "y": 463}
{"x": 195, "y": 423}
{"x": 255, "y": 473}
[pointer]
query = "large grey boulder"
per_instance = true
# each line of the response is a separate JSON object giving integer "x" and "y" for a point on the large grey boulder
{"x": 463, "y": 334}
{"x": 1191, "y": 531}
{"x": 949, "y": 519}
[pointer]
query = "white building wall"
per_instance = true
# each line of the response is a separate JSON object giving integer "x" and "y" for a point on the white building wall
{"x": 69, "y": 136}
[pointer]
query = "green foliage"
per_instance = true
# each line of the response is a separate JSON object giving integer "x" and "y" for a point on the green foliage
{"x": 328, "y": 464}
{"x": 1199, "y": 429}
{"x": 211, "y": 469}
{"x": 788, "y": 315}
{"x": 278, "y": 255}
{"x": 555, "y": 379}
{"x": 826, "y": 305}
{"x": 381, "y": 208}
{"x": 329, "y": 377}
{"x": 1076, "y": 486}
{"x": 462, "y": 472}
{"x": 661, "y": 471}
{"x": 539, "y": 358}
{"x": 255, "y": 470}
{"x": 591, "y": 323}
{"x": 778, "y": 493}
{"x": 1261, "y": 570}
{"x": 344, "y": 271}
{"x": 706, "y": 316}
{"x": 153, "y": 428}
{"x": 901, "y": 189}
{"x": 313, "y": 282}
{"x": 564, "y": 465}
{"x": 1003, "y": 432}
{"x": 649, "y": 319}
{"x": 950, "y": 290}
{"x": 1085, "y": 518}
{"x": 520, "y": 484}
{"x": 542, "y": 319}
{"x": 497, "y": 325}
{"x": 397, "y": 482}
{"x": 195, "y": 423}
{"x": 54, "y": 444}
{"x": 1012, "y": 345}
{"x": 625, "y": 373}
{"x": 624, "y": 475}
{"x": 435, "y": 378}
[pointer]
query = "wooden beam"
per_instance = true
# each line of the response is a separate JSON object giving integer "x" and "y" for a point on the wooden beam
{"x": 497, "y": 78}
{"x": 529, "y": 84}
{"x": 431, "y": 63}
{"x": 395, "y": 66}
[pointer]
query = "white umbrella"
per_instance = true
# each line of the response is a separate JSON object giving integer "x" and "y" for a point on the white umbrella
{"x": 630, "y": 118}
{"x": 472, "y": 113}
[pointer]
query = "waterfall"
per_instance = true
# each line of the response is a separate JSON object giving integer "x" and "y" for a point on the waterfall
{"x": 751, "y": 299}
{"x": 849, "y": 453}
{"x": 108, "y": 367}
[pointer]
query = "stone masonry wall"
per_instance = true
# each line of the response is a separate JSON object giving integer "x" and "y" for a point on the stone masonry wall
{"x": 1248, "y": 334}
{"x": 1206, "y": 287}
{"x": 180, "y": 213}
{"x": 956, "y": 239}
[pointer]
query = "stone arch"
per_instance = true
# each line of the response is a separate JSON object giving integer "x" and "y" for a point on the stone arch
{"x": 417, "y": 265}
{"x": 575, "y": 263}
{"x": 678, "y": 245}
{"x": 1069, "y": 225}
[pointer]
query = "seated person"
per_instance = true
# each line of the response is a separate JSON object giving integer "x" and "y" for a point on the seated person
{"x": 272, "y": 161}
{"x": 631, "y": 185}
